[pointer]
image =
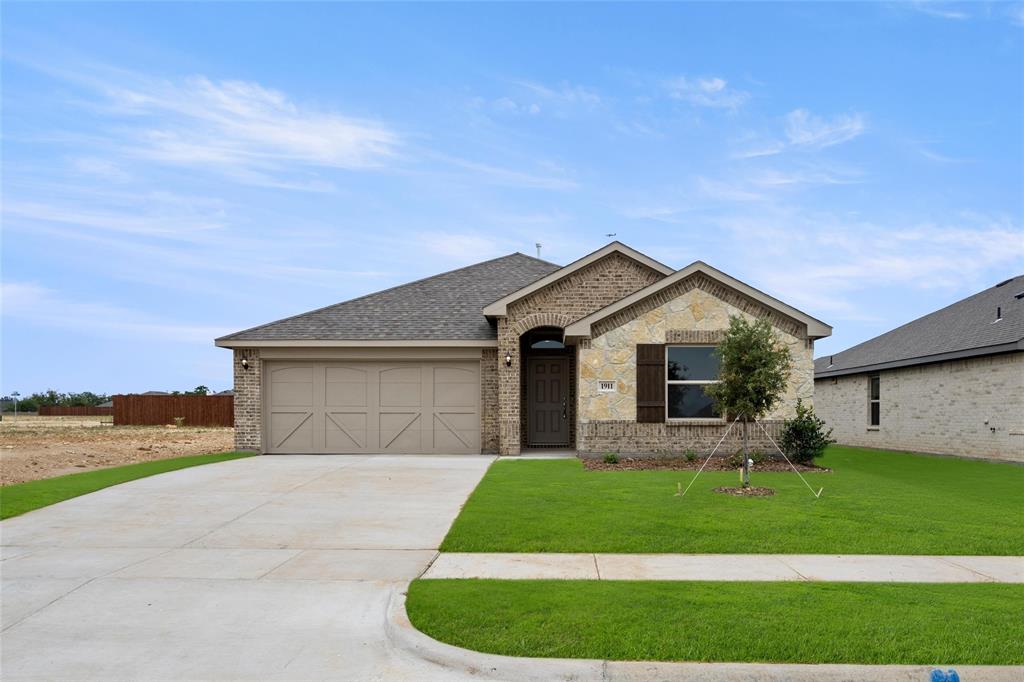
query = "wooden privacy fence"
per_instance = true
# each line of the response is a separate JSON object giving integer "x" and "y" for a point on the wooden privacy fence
{"x": 196, "y": 410}
{"x": 77, "y": 411}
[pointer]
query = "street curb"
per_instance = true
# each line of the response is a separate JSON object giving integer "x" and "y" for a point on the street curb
{"x": 404, "y": 636}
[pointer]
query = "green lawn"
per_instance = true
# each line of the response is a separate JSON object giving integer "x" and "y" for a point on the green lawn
{"x": 24, "y": 497}
{"x": 875, "y": 502}
{"x": 924, "y": 624}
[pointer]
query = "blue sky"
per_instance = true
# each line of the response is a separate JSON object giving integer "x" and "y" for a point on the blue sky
{"x": 173, "y": 172}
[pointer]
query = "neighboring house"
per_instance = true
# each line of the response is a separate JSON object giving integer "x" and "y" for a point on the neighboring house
{"x": 109, "y": 403}
{"x": 609, "y": 353}
{"x": 227, "y": 392}
{"x": 951, "y": 382}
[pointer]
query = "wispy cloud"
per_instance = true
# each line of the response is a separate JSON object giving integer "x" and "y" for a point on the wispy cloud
{"x": 804, "y": 129}
{"x": 839, "y": 258}
{"x": 532, "y": 98}
{"x": 564, "y": 93}
{"x": 1015, "y": 13}
{"x": 711, "y": 92}
{"x": 939, "y": 10}
{"x": 514, "y": 178}
{"x": 244, "y": 130}
{"x": 36, "y": 304}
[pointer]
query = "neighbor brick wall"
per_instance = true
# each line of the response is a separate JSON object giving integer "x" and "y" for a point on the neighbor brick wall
{"x": 489, "y": 401}
{"x": 248, "y": 399}
{"x": 563, "y": 302}
{"x": 939, "y": 408}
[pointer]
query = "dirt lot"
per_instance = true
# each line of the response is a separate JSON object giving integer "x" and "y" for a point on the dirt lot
{"x": 41, "y": 447}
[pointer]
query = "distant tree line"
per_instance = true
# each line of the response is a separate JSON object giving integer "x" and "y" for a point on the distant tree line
{"x": 33, "y": 402}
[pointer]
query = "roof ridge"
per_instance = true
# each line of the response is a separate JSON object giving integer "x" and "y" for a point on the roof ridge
{"x": 1001, "y": 283}
{"x": 375, "y": 293}
{"x": 540, "y": 260}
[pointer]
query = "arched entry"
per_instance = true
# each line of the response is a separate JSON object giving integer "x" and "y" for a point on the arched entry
{"x": 548, "y": 391}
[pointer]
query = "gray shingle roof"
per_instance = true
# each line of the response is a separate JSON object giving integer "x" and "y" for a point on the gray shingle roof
{"x": 448, "y": 306}
{"x": 967, "y": 327}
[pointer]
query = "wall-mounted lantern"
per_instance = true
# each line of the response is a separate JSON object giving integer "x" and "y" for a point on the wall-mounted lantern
{"x": 245, "y": 363}
{"x": 508, "y": 359}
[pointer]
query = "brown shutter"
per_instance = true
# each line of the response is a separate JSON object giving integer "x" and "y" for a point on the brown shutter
{"x": 650, "y": 383}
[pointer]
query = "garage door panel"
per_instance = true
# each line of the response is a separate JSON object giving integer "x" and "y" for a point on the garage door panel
{"x": 345, "y": 386}
{"x": 367, "y": 407}
{"x": 292, "y": 431}
{"x": 345, "y": 432}
{"x": 400, "y": 432}
{"x": 454, "y": 432}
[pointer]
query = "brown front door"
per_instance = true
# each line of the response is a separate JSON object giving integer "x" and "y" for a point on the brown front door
{"x": 547, "y": 401}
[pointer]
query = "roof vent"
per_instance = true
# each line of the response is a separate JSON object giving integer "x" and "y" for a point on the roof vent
{"x": 1005, "y": 281}
{"x": 999, "y": 314}
{"x": 1019, "y": 296}
{"x": 830, "y": 361}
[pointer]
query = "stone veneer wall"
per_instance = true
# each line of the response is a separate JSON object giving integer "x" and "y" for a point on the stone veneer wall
{"x": 694, "y": 311}
{"x": 563, "y": 302}
{"x": 248, "y": 399}
{"x": 939, "y": 408}
{"x": 489, "y": 401}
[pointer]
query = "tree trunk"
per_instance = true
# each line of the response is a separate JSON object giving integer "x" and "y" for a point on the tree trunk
{"x": 746, "y": 457}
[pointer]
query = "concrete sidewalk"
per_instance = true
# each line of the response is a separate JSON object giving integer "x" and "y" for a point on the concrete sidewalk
{"x": 810, "y": 567}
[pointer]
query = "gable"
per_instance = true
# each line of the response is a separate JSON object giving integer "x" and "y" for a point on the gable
{"x": 573, "y": 276}
{"x": 579, "y": 293}
{"x": 729, "y": 290}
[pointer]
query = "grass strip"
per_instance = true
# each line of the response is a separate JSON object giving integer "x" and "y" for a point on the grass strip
{"x": 25, "y": 497}
{"x": 874, "y": 502}
{"x": 780, "y": 622}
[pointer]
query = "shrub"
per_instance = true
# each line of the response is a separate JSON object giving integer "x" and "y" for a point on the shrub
{"x": 611, "y": 458}
{"x": 757, "y": 457}
{"x": 690, "y": 455}
{"x": 804, "y": 437}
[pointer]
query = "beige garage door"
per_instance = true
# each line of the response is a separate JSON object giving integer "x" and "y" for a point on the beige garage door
{"x": 373, "y": 407}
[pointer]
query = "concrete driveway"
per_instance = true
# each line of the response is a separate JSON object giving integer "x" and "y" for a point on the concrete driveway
{"x": 275, "y": 567}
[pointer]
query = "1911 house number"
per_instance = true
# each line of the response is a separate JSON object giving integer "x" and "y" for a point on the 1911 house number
{"x": 606, "y": 386}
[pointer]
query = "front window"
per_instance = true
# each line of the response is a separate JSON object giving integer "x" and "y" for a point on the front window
{"x": 688, "y": 371}
{"x": 874, "y": 400}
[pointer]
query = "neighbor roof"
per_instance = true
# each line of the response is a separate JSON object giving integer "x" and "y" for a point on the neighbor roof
{"x": 816, "y": 329}
{"x": 445, "y": 307}
{"x": 964, "y": 329}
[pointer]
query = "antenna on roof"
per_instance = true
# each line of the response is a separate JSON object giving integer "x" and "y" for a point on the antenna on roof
{"x": 538, "y": 249}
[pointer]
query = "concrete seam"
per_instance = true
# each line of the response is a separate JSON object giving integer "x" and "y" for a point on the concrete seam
{"x": 968, "y": 568}
{"x": 429, "y": 564}
{"x": 597, "y": 568}
{"x": 784, "y": 563}
{"x": 297, "y": 554}
{"x": 265, "y": 503}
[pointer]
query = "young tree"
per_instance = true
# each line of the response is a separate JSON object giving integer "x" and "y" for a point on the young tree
{"x": 752, "y": 375}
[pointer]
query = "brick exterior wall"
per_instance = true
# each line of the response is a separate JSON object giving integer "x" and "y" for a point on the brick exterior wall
{"x": 563, "y": 302}
{"x": 696, "y": 313}
{"x": 627, "y": 437}
{"x": 489, "y": 401}
{"x": 939, "y": 408}
{"x": 248, "y": 399}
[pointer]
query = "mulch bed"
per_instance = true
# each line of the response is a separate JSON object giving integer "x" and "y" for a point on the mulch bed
{"x": 683, "y": 464}
{"x": 752, "y": 491}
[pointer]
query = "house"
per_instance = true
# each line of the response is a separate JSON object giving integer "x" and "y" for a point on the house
{"x": 951, "y": 382}
{"x": 609, "y": 353}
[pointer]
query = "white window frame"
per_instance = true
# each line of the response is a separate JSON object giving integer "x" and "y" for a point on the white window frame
{"x": 875, "y": 401}
{"x": 690, "y": 382}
